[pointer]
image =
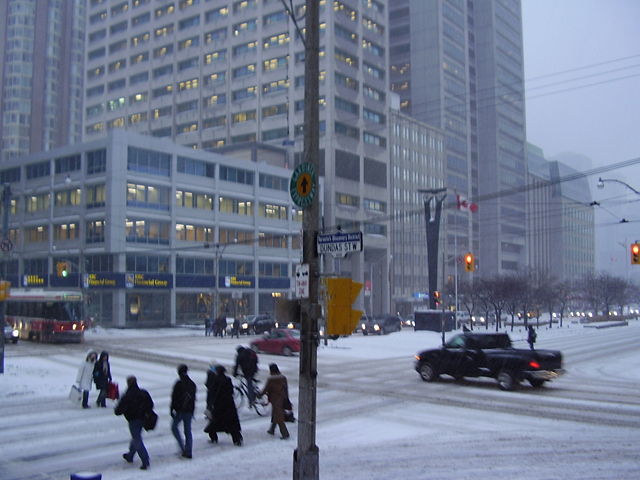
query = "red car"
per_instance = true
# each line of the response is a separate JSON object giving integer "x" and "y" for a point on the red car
{"x": 281, "y": 341}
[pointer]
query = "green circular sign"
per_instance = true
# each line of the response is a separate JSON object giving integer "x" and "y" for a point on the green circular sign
{"x": 303, "y": 185}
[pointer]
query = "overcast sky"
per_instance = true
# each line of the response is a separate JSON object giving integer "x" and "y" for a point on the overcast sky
{"x": 582, "y": 79}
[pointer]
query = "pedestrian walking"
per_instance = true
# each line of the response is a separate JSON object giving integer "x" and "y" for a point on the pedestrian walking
{"x": 183, "y": 401}
{"x": 277, "y": 392}
{"x": 247, "y": 362}
{"x": 531, "y": 337}
{"x": 223, "y": 415}
{"x": 84, "y": 379}
{"x": 221, "y": 324}
{"x": 135, "y": 405}
{"x": 207, "y": 326}
{"x": 235, "y": 328}
{"x": 102, "y": 378}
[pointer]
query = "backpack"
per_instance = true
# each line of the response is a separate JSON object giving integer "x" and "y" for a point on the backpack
{"x": 252, "y": 357}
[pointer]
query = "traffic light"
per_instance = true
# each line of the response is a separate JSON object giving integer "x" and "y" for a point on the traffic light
{"x": 63, "y": 269}
{"x": 469, "y": 262}
{"x": 635, "y": 253}
{"x": 436, "y": 298}
{"x": 341, "y": 293}
{"x": 5, "y": 290}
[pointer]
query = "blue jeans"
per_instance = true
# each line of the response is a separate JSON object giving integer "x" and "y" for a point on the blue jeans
{"x": 251, "y": 392}
{"x": 185, "y": 418}
{"x": 136, "y": 445}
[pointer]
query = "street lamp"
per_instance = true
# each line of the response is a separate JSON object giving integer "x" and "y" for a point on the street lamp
{"x": 601, "y": 182}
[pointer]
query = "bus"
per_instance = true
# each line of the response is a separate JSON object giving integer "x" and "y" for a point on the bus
{"x": 46, "y": 316}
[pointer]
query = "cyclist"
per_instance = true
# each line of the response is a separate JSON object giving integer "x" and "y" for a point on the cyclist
{"x": 247, "y": 361}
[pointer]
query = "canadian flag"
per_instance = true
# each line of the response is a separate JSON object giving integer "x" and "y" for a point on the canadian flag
{"x": 466, "y": 205}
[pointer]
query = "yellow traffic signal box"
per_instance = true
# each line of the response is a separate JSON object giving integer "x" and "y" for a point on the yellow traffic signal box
{"x": 62, "y": 268}
{"x": 341, "y": 293}
{"x": 469, "y": 262}
{"x": 635, "y": 253}
{"x": 5, "y": 290}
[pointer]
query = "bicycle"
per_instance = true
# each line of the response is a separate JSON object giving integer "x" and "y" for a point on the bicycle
{"x": 241, "y": 392}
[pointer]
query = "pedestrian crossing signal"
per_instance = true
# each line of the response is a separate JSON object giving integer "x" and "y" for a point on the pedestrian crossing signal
{"x": 62, "y": 268}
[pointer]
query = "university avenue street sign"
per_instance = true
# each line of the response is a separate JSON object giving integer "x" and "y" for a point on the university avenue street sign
{"x": 339, "y": 244}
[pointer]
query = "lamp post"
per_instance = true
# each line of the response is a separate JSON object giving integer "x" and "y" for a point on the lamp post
{"x": 601, "y": 182}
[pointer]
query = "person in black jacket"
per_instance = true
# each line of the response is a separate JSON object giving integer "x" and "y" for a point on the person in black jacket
{"x": 134, "y": 405}
{"x": 531, "y": 337}
{"x": 102, "y": 378}
{"x": 183, "y": 401}
{"x": 247, "y": 361}
{"x": 222, "y": 408}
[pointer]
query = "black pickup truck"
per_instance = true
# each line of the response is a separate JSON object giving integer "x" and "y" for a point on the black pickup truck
{"x": 489, "y": 355}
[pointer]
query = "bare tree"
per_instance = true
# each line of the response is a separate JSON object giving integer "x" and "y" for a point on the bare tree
{"x": 602, "y": 291}
{"x": 469, "y": 299}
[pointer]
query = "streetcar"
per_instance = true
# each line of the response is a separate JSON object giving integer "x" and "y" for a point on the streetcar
{"x": 46, "y": 316}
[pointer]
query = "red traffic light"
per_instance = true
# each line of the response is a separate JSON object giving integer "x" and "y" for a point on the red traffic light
{"x": 469, "y": 262}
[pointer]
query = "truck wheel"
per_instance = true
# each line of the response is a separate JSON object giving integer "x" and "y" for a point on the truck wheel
{"x": 427, "y": 372}
{"x": 536, "y": 382}
{"x": 506, "y": 381}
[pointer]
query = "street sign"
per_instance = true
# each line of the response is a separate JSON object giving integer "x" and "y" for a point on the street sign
{"x": 303, "y": 185}
{"x": 302, "y": 280}
{"x": 339, "y": 244}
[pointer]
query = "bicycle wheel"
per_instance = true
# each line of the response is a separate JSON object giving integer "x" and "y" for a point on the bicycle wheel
{"x": 261, "y": 406}
{"x": 238, "y": 396}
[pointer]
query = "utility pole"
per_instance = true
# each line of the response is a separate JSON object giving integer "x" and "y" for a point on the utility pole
{"x": 6, "y": 205}
{"x": 306, "y": 456}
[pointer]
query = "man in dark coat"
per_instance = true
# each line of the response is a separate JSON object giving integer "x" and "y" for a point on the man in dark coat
{"x": 531, "y": 337}
{"x": 224, "y": 416}
{"x": 102, "y": 378}
{"x": 183, "y": 402}
{"x": 247, "y": 361}
{"x": 134, "y": 405}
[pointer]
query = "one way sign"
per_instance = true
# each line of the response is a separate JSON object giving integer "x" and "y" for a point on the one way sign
{"x": 302, "y": 280}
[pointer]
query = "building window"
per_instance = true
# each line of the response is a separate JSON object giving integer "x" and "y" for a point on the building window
{"x": 37, "y": 203}
{"x": 244, "y": 93}
{"x": 347, "y": 200}
{"x": 347, "y": 58}
{"x": 219, "y": 34}
{"x": 218, "y": 99}
{"x": 346, "y": 106}
{"x": 194, "y": 233}
{"x": 373, "y": 139}
{"x": 275, "y": 133}
{"x": 162, "y": 51}
{"x": 200, "y": 201}
{"x": 244, "y": 71}
{"x": 147, "y": 263}
{"x": 276, "y": 86}
{"x": 96, "y": 196}
{"x": 347, "y": 130}
{"x": 65, "y": 231}
{"x": 221, "y": 13}
{"x": 68, "y": 198}
{"x": 147, "y": 231}
{"x": 147, "y": 196}
{"x": 148, "y": 161}
{"x": 374, "y": 205}
{"x": 194, "y": 266}
{"x": 235, "y": 206}
{"x": 275, "y": 63}
{"x": 191, "y": 166}
{"x": 242, "y": 117}
{"x": 272, "y": 240}
{"x": 346, "y": 81}
{"x": 37, "y": 234}
{"x": 274, "y": 269}
{"x": 38, "y": 170}
{"x": 188, "y": 63}
{"x": 164, "y": 31}
{"x": 275, "y": 17}
{"x": 190, "y": 22}
{"x": 276, "y": 40}
{"x": 70, "y": 163}
{"x": 272, "y": 211}
{"x": 139, "y": 58}
{"x": 214, "y": 122}
{"x": 248, "y": 26}
{"x": 236, "y": 175}
{"x": 189, "y": 42}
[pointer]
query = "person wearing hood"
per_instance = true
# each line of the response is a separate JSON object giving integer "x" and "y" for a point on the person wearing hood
{"x": 222, "y": 408}
{"x": 183, "y": 401}
{"x": 84, "y": 379}
{"x": 102, "y": 378}
{"x": 135, "y": 405}
{"x": 277, "y": 392}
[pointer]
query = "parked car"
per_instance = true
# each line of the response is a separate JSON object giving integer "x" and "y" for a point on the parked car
{"x": 409, "y": 321}
{"x": 10, "y": 334}
{"x": 381, "y": 325}
{"x": 257, "y": 324}
{"x": 281, "y": 341}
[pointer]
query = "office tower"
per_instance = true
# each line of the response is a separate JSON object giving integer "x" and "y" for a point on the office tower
{"x": 223, "y": 72}
{"x": 458, "y": 66}
{"x": 560, "y": 217}
{"x": 41, "y": 87}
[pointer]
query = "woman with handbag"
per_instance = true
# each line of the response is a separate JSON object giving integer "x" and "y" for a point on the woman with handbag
{"x": 277, "y": 392}
{"x": 84, "y": 379}
{"x": 102, "y": 378}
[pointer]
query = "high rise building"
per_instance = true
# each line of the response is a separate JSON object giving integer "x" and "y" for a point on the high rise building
{"x": 41, "y": 86}
{"x": 560, "y": 219}
{"x": 458, "y": 66}
{"x": 224, "y": 72}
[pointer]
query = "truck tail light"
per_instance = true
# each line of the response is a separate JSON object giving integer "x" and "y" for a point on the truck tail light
{"x": 534, "y": 364}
